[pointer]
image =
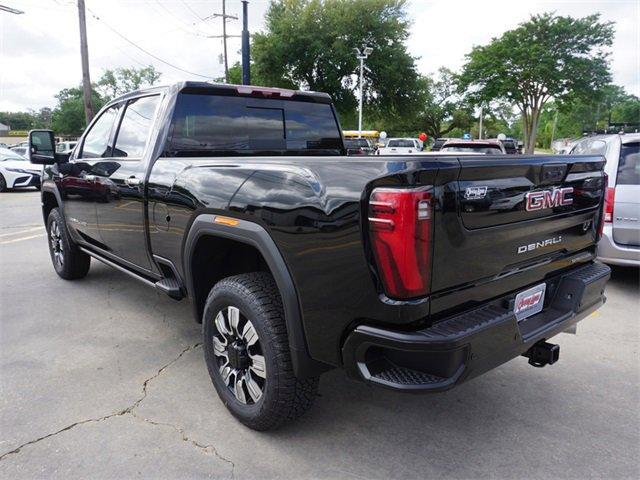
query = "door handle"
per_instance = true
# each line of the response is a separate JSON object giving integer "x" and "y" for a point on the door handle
{"x": 133, "y": 181}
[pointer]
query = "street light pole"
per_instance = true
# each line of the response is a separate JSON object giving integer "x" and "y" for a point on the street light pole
{"x": 362, "y": 56}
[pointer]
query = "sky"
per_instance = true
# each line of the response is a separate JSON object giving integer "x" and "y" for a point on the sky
{"x": 40, "y": 52}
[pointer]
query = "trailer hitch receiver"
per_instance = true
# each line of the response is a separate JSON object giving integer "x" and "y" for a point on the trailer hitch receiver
{"x": 542, "y": 353}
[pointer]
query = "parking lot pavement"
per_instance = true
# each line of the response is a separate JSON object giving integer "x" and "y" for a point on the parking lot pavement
{"x": 104, "y": 378}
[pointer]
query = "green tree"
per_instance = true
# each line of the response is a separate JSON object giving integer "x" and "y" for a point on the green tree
{"x": 443, "y": 109}
{"x": 310, "y": 44}
{"x": 116, "y": 82}
{"x": 68, "y": 116}
{"x": 19, "y": 120}
{"x": 547, "y": 57}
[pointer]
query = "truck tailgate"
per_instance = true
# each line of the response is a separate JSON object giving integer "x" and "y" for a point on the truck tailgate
{"x": 507, "y": 215}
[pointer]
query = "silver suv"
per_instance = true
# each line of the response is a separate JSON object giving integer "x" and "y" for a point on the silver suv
{"x": 620, "y": 243}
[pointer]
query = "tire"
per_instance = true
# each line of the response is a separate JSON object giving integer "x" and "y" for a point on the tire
{"x": 3, "y": 184}
{"x": 68, "y": 261}
{"x": 254, "y": 353}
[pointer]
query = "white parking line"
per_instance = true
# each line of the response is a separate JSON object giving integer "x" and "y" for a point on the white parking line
{"x": 19, "y": 232}
{"x": 21, "y": 239}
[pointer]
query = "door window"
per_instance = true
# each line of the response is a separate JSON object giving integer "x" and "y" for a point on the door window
{"x": 96, "y": 141}
{"x": 135, "y": 127}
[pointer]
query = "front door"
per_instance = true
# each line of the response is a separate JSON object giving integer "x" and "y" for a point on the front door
{"x": 77, "y": 181}
{"x": 120, "y": 181}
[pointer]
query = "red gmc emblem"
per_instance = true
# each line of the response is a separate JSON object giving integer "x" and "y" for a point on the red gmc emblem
{"x": 548, "y": 199}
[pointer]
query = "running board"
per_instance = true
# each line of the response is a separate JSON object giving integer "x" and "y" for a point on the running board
{"x": 168, "y": 286}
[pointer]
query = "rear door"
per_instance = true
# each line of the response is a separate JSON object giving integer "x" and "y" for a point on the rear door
{"x": 120, "y": 184}
{"x": 508, "y": 214}
{"x": 626, "y": 210}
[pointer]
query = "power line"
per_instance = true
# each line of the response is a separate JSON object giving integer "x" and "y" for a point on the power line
{"x": 144, "y": 50}
{"x": 191, "y": 10}
{"x": 181, "y": 23}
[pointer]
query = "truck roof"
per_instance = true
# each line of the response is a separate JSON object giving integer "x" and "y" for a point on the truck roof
{"x": 232, "y": 90}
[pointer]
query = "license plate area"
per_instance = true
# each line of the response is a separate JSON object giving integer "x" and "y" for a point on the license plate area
{"x": 529, "y": 302}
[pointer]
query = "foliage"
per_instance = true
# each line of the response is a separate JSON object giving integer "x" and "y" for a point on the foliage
{"x": 443, "y": 110}
{"x": 27, "y": 120}
{"x": 611, "y": 105}
{"x": 310, "y": 44}
{"x": 68, "y": 116}
{"x": 549, "y": 56}
{"x": 114, "y": 83}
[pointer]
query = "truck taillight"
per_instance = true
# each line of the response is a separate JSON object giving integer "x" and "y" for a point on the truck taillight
{"x": 609, "y": 200}
{"x": 401, "y": 228}
{"x": 607, "y": 208}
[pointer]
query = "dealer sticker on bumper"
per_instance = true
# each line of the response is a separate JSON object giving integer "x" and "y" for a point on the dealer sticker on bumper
{"x": 529, "y": 302}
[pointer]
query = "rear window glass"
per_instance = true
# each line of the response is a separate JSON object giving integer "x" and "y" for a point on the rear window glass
{"x": 629, "y": 166}
{"x": 218, "y": 125}
{"x": 356, "y": 142}
{"x": 477, "y": 149}
{"x": 401, "y": 143}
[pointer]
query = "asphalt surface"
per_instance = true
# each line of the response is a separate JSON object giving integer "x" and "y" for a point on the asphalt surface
{"x": 105, "y": 378}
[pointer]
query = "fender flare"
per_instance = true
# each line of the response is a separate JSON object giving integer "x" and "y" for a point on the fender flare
{"x": 253, "y": 234}
{"x": 48, "y": 188}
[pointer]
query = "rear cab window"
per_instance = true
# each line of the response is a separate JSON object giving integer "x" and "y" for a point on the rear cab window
{"x": 401, "y": 144}
{"x": 217, "y": 125}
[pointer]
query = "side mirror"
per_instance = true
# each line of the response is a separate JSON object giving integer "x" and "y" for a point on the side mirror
{"x": 42, "y": 147}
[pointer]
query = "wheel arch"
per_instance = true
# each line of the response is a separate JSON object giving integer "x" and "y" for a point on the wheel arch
{"x": 51, "y": 199}
{"x": 251, "y": 239}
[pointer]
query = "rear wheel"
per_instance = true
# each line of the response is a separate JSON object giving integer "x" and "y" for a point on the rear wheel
{"x": 68, "y": 261}
{"x": 247, "y": 353}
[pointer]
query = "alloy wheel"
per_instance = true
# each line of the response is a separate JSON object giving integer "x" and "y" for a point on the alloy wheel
{"x": 238, "y": 351}
{"x": 57, "y": 247}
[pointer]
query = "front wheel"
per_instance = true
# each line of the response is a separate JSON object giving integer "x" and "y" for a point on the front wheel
{"x": 247, "y": 353}
{"x": 68, "y": 261}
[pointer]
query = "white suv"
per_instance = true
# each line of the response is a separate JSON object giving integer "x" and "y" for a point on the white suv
{"x": 620, "y": 243}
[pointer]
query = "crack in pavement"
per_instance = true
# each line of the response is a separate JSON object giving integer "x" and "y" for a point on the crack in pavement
{"x": 125, "y": 411}
{"x": 206, "y": 448}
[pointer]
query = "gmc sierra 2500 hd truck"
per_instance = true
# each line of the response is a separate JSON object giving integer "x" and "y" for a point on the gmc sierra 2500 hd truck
{"x": 415, "y": 273}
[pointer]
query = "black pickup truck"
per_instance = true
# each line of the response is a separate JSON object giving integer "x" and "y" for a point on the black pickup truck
{"x": 414, "y": 272}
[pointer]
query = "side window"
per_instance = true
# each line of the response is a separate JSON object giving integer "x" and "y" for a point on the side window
{"x": 629, "y": 165}
{"x": 135, "y": 126}
{"x": 96, "y": 142}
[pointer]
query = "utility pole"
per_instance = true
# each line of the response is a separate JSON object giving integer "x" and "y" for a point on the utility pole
{"x": 480, "y": 126}
{"x": 246, "y": 58}
{"x": 224, "y": 40}
{"x": 84, "y": 53}
{"x": 224, "y": 35}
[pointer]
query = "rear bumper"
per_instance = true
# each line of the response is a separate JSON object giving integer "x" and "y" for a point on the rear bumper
{"x": 613, "y": 254}
{"x": 464, "y": 346}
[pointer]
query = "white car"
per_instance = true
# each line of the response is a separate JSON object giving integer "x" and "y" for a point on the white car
{"x": 65, "y": 147}
{"x": 22, "y": 151}
{"x": 16, "y": 171}
{"x": 400, "y": 146}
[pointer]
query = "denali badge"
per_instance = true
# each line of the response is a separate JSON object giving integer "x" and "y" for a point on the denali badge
{"x": 548, "y": 199}
{"x": 475, "y": 193}
{"x": 541, "y": 244}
